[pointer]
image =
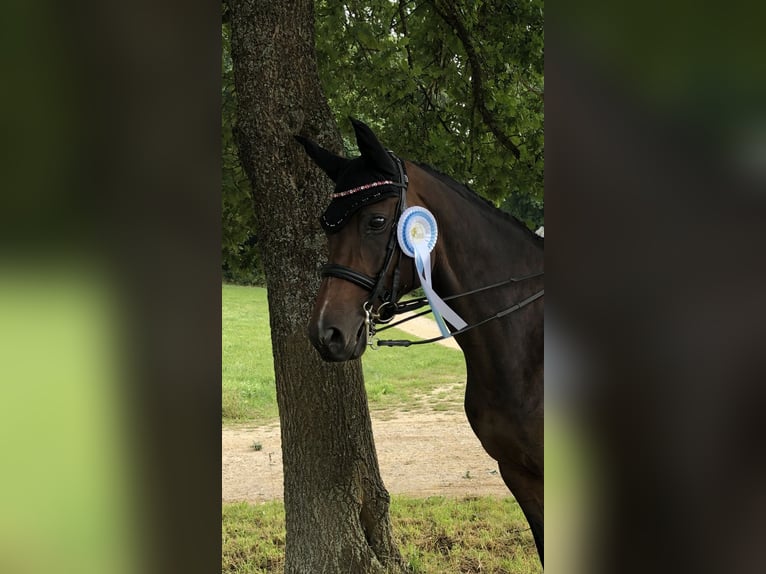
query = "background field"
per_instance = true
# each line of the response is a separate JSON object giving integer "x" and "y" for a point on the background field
{"x": 436, "y": 534}
{"x": 394, "y": 378}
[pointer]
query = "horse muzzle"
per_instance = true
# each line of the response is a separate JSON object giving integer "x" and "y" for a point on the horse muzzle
{"x": 336, "y": 342}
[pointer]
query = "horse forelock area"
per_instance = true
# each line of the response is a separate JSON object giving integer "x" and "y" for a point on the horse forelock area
{"x": 478, "y": 200}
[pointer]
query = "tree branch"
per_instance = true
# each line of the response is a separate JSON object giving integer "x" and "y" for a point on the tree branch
{"x": 421, "y": 87}
{"x": 451, "y": 18}
{"x": 539, "y": 93}
{"x": 403, "y": 23}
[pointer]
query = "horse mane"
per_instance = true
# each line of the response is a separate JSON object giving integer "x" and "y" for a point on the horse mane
{"x": 469, "y": 194}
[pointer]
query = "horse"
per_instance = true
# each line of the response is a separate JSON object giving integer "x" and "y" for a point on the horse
{"x": 485, "y": 262}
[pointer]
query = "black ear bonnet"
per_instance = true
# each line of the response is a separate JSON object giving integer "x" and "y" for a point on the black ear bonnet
{"x": 369, "y": 178}
{"x": 358, "y": 185}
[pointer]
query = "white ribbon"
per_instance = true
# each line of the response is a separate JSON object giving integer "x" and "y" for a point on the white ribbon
{"x": 417, "y": 235}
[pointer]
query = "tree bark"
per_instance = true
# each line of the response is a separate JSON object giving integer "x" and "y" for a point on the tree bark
{"x": 335, "y": 503}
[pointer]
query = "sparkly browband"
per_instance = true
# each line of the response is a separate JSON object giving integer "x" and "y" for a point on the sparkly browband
{"x": 362, "y": 188}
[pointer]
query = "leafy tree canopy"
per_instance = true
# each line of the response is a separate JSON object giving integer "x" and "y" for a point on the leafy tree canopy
{"x": 457, "y": 84}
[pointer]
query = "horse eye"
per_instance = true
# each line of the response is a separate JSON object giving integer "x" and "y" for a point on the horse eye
{"x": 377, "y": 222}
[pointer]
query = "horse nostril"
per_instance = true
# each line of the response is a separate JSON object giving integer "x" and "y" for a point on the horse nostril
{"x": 333, "y": 339}
{"x": 333, "y": 343}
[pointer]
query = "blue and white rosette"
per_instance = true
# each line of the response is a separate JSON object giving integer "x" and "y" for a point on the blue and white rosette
{"x": 417, "y": 233}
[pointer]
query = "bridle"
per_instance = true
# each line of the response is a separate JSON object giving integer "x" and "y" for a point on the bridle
{"x": 389, "y": 307}
{"x": 376, "y": 285}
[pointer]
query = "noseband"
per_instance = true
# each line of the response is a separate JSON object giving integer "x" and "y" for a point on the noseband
{"x": 375, "y": 285}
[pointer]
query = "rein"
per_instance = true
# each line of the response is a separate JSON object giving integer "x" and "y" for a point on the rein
{"x": 421, "y": 301}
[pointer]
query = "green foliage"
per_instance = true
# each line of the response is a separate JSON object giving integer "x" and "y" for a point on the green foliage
{"x": 403, "y": 68}
{"x": 409, "y": 70}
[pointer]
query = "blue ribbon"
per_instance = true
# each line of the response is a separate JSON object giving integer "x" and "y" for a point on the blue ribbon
{"x": 417, "y": 233}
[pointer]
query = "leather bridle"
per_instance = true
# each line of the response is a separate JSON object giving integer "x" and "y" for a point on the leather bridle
{"x": 389, "y": 307}
{"x": 376, "y": 285}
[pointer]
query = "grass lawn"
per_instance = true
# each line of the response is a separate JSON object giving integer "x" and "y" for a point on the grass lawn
{"x": 435, "y": 535}
{"x": 247, "y": 378}
{"x": 401, "y": 378}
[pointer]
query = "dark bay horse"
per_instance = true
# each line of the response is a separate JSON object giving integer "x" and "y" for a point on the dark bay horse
{"x": 477, "y": 246}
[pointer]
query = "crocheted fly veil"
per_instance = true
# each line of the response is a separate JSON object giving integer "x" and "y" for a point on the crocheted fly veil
{"x": 367, "y": 179}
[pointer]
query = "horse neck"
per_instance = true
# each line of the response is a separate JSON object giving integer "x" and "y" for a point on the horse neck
{"x": 478, "y": 246}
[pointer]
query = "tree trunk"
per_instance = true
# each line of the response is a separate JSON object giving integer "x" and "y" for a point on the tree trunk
{"x": 335, "y": 502}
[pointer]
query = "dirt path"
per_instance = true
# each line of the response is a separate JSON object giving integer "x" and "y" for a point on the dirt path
{"x": 420, "y": 453}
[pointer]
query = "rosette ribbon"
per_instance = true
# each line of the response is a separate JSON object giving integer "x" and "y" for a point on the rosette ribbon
{"x": 417, "y": 234}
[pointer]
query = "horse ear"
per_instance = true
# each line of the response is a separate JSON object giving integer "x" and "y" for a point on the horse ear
{"x": 330, "y": 163}
{"x": 371, "y": 148}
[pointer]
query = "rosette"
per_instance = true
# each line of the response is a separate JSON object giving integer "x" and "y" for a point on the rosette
{"x": 417, "y": 233}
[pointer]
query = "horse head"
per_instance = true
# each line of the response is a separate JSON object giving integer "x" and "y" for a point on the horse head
{"x": 360, "y": 222}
